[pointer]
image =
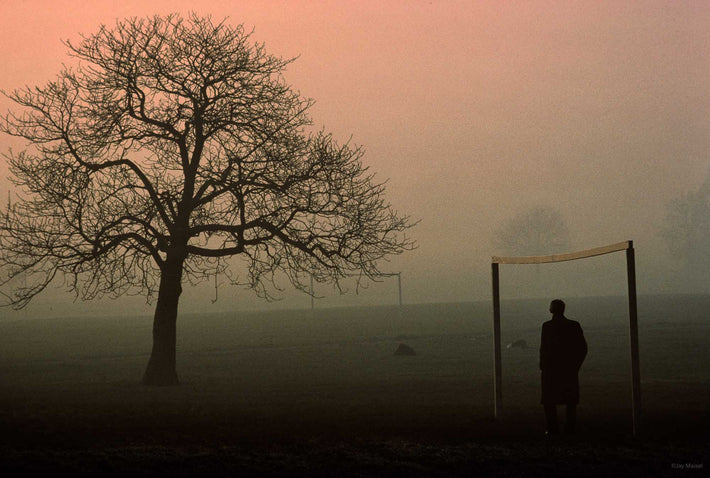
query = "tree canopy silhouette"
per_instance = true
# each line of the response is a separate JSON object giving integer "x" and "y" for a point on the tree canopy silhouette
{"x": 535, "y": 231}
{"x": 174, "y": 143}
{"x": 686, "y": 231}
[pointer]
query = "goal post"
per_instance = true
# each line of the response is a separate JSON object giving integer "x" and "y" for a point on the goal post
{"x": 633, "y": 317}
{"x": 380, "y": 274}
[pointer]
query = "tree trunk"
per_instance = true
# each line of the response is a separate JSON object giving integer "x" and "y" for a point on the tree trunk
{"x": 161, "y": 366}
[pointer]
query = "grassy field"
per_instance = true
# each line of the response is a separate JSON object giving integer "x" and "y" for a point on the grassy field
{"x": 321, "y": 393}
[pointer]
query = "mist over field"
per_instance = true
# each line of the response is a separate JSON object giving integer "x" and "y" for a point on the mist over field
{"x": 321, "y": 393}
{"x": 501, "y": 128}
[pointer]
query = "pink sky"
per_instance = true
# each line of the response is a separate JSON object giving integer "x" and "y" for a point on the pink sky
{"x": 474, "y": 110}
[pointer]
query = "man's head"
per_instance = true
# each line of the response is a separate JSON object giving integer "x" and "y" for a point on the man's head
{"x": 557, "y": 307}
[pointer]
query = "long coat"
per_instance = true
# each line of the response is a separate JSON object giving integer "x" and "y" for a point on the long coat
{"x": 562, "y": 351}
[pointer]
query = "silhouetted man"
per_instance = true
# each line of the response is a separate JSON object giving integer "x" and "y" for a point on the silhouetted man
{"x": 562, "y": 351}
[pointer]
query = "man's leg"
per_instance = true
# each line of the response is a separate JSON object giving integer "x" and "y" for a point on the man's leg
{"x": 571, "y": 418}
{"x": 551, "y": 418}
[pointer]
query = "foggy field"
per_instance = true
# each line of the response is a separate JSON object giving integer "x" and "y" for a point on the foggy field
{"x": 309, "y": 392}
{"x": 170, "y": 164}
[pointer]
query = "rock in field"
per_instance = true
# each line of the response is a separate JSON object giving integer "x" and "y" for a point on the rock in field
{"x": 404, "y": 349}
{"x": 521, "y": 344}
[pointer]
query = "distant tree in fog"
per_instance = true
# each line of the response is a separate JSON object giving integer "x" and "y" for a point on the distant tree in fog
{"x": 686, "y": 231}
{"x": 174, "y": 145}
{"x": 535, "y": 231}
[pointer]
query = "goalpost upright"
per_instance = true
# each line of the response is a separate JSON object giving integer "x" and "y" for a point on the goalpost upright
{"x": 381, "y": 274}
{"x": 633, "y": 317}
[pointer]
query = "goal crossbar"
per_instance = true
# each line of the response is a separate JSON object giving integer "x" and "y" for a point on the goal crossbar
{"x": 627, "y": 246}
{"x": 597, "y": 251}
{"x": 398, "y": 275}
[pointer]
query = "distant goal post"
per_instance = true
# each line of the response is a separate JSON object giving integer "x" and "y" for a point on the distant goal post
{"x": 380, "y": 274}
{"x": 633, "y": 316}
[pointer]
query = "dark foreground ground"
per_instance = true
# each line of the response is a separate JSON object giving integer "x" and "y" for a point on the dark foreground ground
{"x": 369, "y": 430}
{"x": 324, "y": 443}
{"x": 329, "y": 398}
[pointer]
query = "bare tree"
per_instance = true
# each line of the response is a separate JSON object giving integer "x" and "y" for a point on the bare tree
{"x": 535, "y": 231}
{"x": 686, "y": 231}
{"x": 174, "y": 143}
